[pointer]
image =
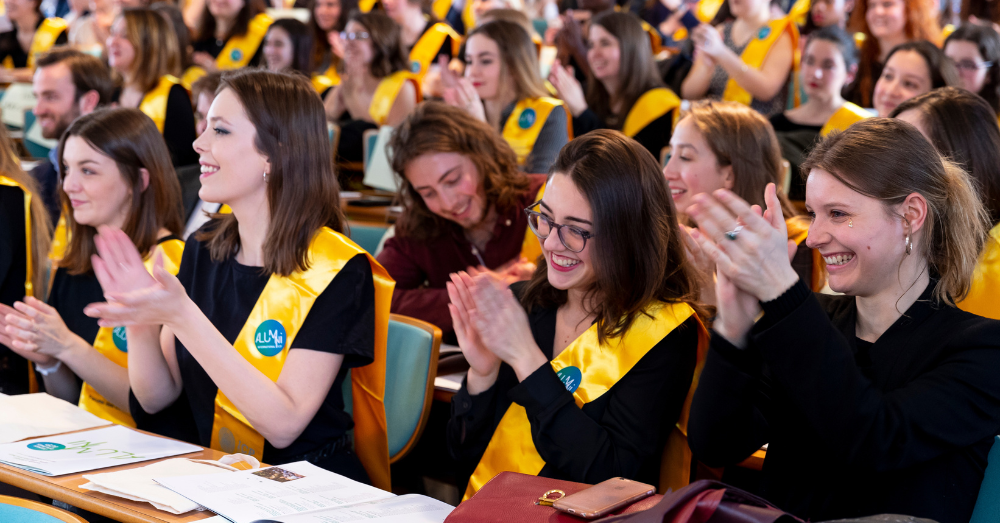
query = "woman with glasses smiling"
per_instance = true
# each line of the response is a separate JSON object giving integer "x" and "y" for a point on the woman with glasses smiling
{"x": 975, "y": 50}
{"x": 582, "y": 372}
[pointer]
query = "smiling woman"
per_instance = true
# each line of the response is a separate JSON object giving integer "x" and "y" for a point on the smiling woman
{"x": 912, "y": 69}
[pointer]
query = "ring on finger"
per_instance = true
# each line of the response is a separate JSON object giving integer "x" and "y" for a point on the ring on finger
{"x": 734, "y": 233}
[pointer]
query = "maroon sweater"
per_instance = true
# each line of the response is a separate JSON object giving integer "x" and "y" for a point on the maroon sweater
{"x": 421, "y": 268}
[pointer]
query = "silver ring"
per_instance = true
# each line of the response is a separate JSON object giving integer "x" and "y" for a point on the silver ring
{"x": 734, "y": 233}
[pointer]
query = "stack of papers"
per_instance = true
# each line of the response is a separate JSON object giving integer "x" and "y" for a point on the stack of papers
{"x": 35, "y": 415}
{"x": 302, "y": 493}
{"x": 89, "y": 450}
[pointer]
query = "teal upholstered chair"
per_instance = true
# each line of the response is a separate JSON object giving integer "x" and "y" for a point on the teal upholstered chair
{"x": 411, "y": 365}
{"x": 988, "y": 503}
{"x": 25, "y": 511}
{"x": 367, "y": 236}
{"x": 36, "y": 150}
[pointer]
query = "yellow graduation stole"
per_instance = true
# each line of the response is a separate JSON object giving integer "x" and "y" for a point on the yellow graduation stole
{"x": 799, "y": 11}
{"x": 29, "y": 284}
{"x": 847, "y": 115}
{"x": 60, "y": 240}
{"x": 154, "y": 103}
{"x": 525, "y": 122}
{"x": 45, "y": 37}
{"x": 113, "y": 345}
{"x": 367, "y": 5}
{"x": 982, "y": 299}
{"x": 428, "y": 46}
{"x": 653, "y": 104}
{"x": 386, "y": 92}
{"x": 655, "y": 40}
{"x": 707, "y": 9}
{"x": 588, "y": 369}
{"x": 531, "y": 247}
{"x": 191, "y": 75}
{"x": 322, "y": 82}
{"x": 468, "y": 17}
{"x": 241, "y": 48}
{"x": 440, "y": 8}
{"x": 270, "y": 331}
{"x": 798, "y": 231}
{"x": 755, "y": 53}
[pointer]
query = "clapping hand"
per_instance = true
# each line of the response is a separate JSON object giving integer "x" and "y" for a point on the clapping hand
{"x": 569, "y": 88}
{"x": 708, "y": 42}
{"x": 459, "y": 92}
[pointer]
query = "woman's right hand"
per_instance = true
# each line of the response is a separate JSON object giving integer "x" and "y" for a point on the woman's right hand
{"x": 569, "y": 89}
{"x": 15, "y": 342}
{"x": 708, "y": 42}
{"x": 483, "y": 364}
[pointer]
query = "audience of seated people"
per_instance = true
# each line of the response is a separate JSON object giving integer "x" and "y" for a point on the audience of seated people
{"x": 561, "y": 208}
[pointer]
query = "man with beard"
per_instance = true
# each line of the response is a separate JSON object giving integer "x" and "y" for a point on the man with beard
{"x": 464, "y": 203}
{"x": 67, "y": 84}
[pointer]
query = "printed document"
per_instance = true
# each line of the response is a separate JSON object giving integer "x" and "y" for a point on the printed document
{"x": 35, "y": 415}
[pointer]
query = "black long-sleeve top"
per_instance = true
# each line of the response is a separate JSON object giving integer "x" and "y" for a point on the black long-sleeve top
{"x": 902, "y": 425}
{"x": 654, "y": 137}
{"x": 13, "y": 268}
{"x": 621, "y": 433}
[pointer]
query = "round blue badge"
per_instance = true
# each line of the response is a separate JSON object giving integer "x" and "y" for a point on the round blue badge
{"x": 121, "y": 341}
{"x": 270, "y": 337}
{"x": 527, "y": 118}
{"x": 764, "y": 31}
{"x": 236, "y": 55}
{"x": 45, "y": 445}
{"x": 571, "y": 378}
{"x": 414, "y": 66}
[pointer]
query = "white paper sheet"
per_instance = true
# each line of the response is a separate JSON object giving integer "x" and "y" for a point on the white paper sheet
{"x": 410, "y": 508}
{"x": 137, "y": 484}
{"x": 35, "y": 415}
{"x": 268, "y": 493}
{"x": 89, "y": 450}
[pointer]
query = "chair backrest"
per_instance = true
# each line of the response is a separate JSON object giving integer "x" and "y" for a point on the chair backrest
{"x": 988, "y": 503}
{"x": 32, "y": 142}
{"x": 368, "y": 140}
{"x": 366, "y": 236}
{"x": 411, "y": 365}
{"x": 27, "y": 511}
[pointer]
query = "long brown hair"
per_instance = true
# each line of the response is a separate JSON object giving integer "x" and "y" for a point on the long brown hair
{"x": 155, "y": 43}
{"x": 963, "y": 128}
{"x": 131, "y": 139}
{"x": 636, "y": 70}
{"x": 386, "y": 38}
{"x": 921, "y": 24}
{"x": 206, "y": 24}
{"x": 888, "y": 159}
{"x": 41, "y": 228}
{"x": 518, "y": 56}
{"x": 302, "y": 190}
{"x": 637, "y": 251}
{"x": 435, "y": 127}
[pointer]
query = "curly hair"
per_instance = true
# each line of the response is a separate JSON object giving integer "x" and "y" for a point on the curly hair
{"x": 435, "y": 127}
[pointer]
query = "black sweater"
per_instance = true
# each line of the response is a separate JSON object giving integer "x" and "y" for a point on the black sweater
{"x": 902, "y": 425}
{"x": 621, "y": 433}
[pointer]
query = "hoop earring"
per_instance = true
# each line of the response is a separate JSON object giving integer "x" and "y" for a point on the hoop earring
{"x": 909, "y": 244}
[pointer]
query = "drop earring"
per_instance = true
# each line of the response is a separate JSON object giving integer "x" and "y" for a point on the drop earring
{"x": 850, "y": 223}
{"x": 265, "y": 176}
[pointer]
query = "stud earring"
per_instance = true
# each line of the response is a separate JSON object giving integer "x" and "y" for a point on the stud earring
{"x": 265, "y": 176}
{"x": 850, "y": 223}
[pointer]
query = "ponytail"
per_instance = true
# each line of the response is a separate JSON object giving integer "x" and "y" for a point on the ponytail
{"x": 957, "y": 235}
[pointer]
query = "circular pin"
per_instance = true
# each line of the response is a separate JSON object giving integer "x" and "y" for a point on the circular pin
{"x": 527, "y": 118}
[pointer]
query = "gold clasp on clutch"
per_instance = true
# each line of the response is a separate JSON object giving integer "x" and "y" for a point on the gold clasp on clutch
{"x": 546, "y": 501}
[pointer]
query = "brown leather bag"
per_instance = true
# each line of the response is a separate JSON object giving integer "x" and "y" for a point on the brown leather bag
{"x": 708, "y": 501}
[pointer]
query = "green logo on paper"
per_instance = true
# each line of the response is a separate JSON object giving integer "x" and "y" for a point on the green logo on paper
{"x": 571, "y": 378}
{"x": 45, "y": 445}
{"x": 764, "y": 31}
{"x": 527, "y": 119}
{"x": 118, "y": 335}
{"x": 270, "y": 337}
{"x": 414, "y": 66}
{"x": 236, "y": 55}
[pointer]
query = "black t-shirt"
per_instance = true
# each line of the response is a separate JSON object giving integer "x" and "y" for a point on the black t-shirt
{"x": 795, "y": 140}
{"x": 341, "y": 321}
{"x": 178, "y": 127}
{"x": 213, "y": 47}
{"x": 9, "y": 46}
{"x": 13, "y": 268}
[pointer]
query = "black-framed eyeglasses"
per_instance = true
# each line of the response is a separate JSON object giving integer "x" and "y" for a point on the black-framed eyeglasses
{"x": 971, "y": 65}
{"x": 573, "y": 238}
{"x": 361, "y": 35}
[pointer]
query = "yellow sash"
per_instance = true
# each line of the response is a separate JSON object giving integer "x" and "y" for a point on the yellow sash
{"x": 588, "y": 369}
{"x": 386, "y": 92}
{"x": 429, "y": 45}
{"x": 707, "y": 9}
{"x": 191, "y": 75}
{"x": 984, "y": 295}
{"x": 367, "y": 5}
{"x": 440, "y": 8}
{"x": 45, "y": 37}
{"x": 799, "y": 11}
{"x": 653, "y": 104}
{"x": 847, "y": 115}
{"x": 113, "y": 345}
{"x": 655, "y": 40}
{"x": 29, "y": 266}
{"x": 322, "y": 82}
{"x": 239, "y": 50}
{"x": 468, "y": 16}
{"x": 755, "y": 53}
{"x": 60, "y": 240}
{"x": 525, "y": 122}
{"x": 531, "y": 248}
{"x": 154, "y": 104}
{"x": 270, "y": 332}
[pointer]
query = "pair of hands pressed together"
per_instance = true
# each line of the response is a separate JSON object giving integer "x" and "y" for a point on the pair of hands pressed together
{"x": 708, "y": 44}
{"x": 570, "y": 91}
{"x": 755, "y": 267}
{"x": 35, "y": 331}
{"x": 491, "y": 327}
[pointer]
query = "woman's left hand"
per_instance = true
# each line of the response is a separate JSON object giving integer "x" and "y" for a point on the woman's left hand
{"x": 134, "y": 296}
{"x": 707, "y": 40}
{"x": 756, "y": 260}
{"x": 503, "y": 325}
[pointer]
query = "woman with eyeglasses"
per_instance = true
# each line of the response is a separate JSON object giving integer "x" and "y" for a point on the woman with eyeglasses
{"x": 582, "y": 373}
{"x": 975, "y": 50}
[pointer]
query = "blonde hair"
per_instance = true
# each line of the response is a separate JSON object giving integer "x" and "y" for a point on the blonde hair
{"x": 156, "y": 50}
{"x": 41, "y": 228}
{"x": 888, "y": 159}
{"x": 518, "y": 55}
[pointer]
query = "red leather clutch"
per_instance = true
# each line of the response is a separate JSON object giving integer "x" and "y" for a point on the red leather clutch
{"x": 510, "y": 498}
